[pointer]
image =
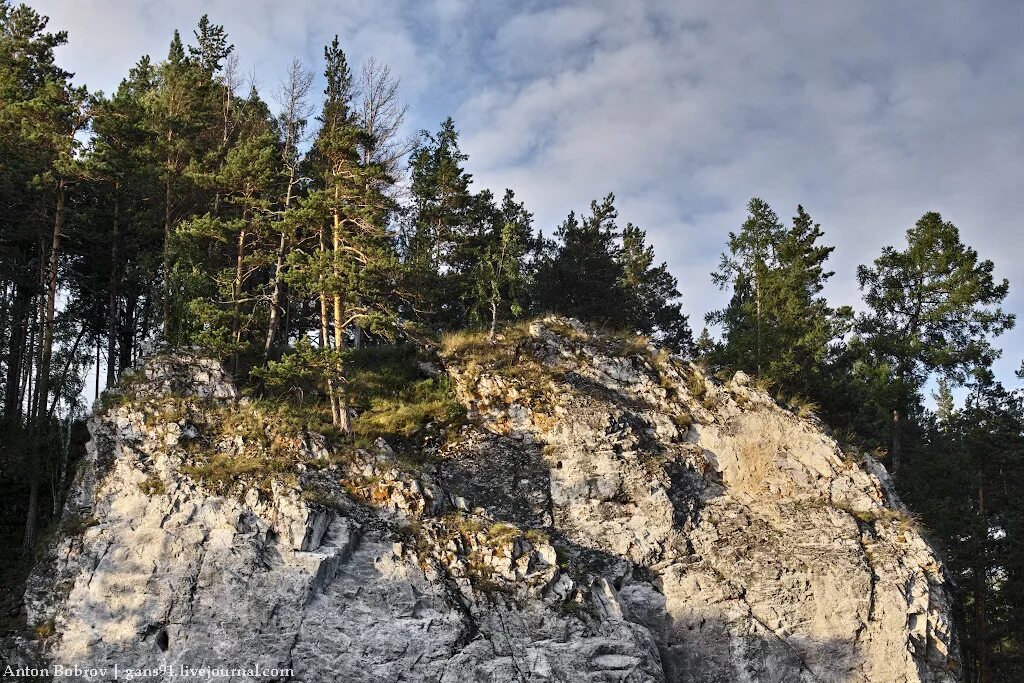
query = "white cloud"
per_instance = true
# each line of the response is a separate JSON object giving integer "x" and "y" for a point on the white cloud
{"x": 868, "y": 113}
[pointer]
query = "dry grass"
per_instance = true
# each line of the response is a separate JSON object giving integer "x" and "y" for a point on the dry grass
{"x": 222, "y": 471}
{"x": 404, "y": 415}
{"x": 696, "y": 385}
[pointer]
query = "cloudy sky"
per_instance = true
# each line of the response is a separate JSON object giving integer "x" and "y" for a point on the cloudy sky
{"x": 867, "y": 113}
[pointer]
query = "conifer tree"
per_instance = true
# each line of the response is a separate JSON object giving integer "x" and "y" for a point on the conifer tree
{"x": 747, "y": 267}
{"x": 776, "y": 275}
{"x": 226, "y": 305}
{"x": 655, "y": 310}
{"x": 295, "y": 112}
{"x": 440, "y": 218}
{"x": 933, "y": 308}
{"x": 597, "y": 273}
{"x": 582, "y": 274}
{"x": 122, "y": 162}
{"x": 178, "y": 112}
{"x": 353, "y": 273}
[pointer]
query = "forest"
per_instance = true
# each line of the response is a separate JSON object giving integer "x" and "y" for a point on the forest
{"x": 294, "y": 235}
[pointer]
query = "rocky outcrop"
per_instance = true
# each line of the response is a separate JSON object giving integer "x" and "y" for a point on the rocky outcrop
{"x": 606, "y": 513}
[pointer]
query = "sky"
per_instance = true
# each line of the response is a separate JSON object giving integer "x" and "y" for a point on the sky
{"x": 868, "y": 114}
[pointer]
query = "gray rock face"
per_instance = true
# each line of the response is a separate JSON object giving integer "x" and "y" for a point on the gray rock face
{"x": 606, "y": 514}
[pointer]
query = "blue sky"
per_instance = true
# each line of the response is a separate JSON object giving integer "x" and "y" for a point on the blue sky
{"x": 868, "y": 113}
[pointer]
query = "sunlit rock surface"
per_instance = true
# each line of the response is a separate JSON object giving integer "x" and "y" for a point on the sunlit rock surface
{"x": 607, "y": 513}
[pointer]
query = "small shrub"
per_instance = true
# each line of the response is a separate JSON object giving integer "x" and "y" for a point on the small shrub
{"x": 430, "y": 400}
{"x": 568, "y": 331}
{"x": 501, "y": 533}
{"x": 537, "y": 537}
{"x": 463, "y": 341}
{"x": 320, "y": 497}
{"x": 44, "y": 629}
{"x": 624, "y": 343}
{"x": 153, "y": 485}
{"x": 697, "y": 385}
{"x": 683, "y": 421}
{"x": 222, "y": 471}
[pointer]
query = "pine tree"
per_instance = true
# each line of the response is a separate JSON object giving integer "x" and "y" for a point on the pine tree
{"x": 440, "y": 221}
{"x": 179, "y": 110}
{"x": 747, "y": 267}
{"x": 227, "y": 307}
{"x": 777, "y": 275}
{"x": 41, "y": 115}
{"x": 353, "y": 273}
{"x": 933, "y": 308}
{"x": 655, "y": 310}
{"x": 582, "y": 275}
{"x": 944, "y": 405}
{"x": 295, "y": 112}
{"x": 597, "y": 273}
{"x": 496, "y": 262}
{"x": 212, "y": 46}
{"x": 123, "y": 164}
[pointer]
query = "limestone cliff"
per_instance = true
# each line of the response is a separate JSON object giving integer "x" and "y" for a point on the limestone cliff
{"x": 605, "y": 513}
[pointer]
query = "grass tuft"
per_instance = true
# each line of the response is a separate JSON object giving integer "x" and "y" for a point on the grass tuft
{"x": 153, "y": 485}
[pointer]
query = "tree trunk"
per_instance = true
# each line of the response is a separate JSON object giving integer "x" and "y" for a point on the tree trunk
{"x": 165, "y": 327}
{"x": 757, "y": 326}
{"x": 236, "y": 288}
{"x": 19, "y": 349}
{"x": 112, "y": 293}
{"x": 126, "y": 333}
{"x": 897, "y": 442}
{"x": 275, "y": 298}
{"x": 339, "y": 329}
{"x": 31, "y": 355}
{"x": 325, "y": 337}
{"x": 42, "y": 384}
{"x": 981, "y": 586}
{"x": 96, "y": 388}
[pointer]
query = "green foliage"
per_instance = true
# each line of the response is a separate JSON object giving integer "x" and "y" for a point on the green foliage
{"x": 394, "y": 397}
{"x": 963, "y": 475}
{"x": 776, "y": 325}
{"x": 600, "y": 274}
{"x": 190, "y": 212}
{"x": 153, "y": 485}
{"x": 933, "y": 308}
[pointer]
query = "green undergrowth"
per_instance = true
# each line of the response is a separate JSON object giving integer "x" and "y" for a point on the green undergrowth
{"x": 396, "y": 399}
